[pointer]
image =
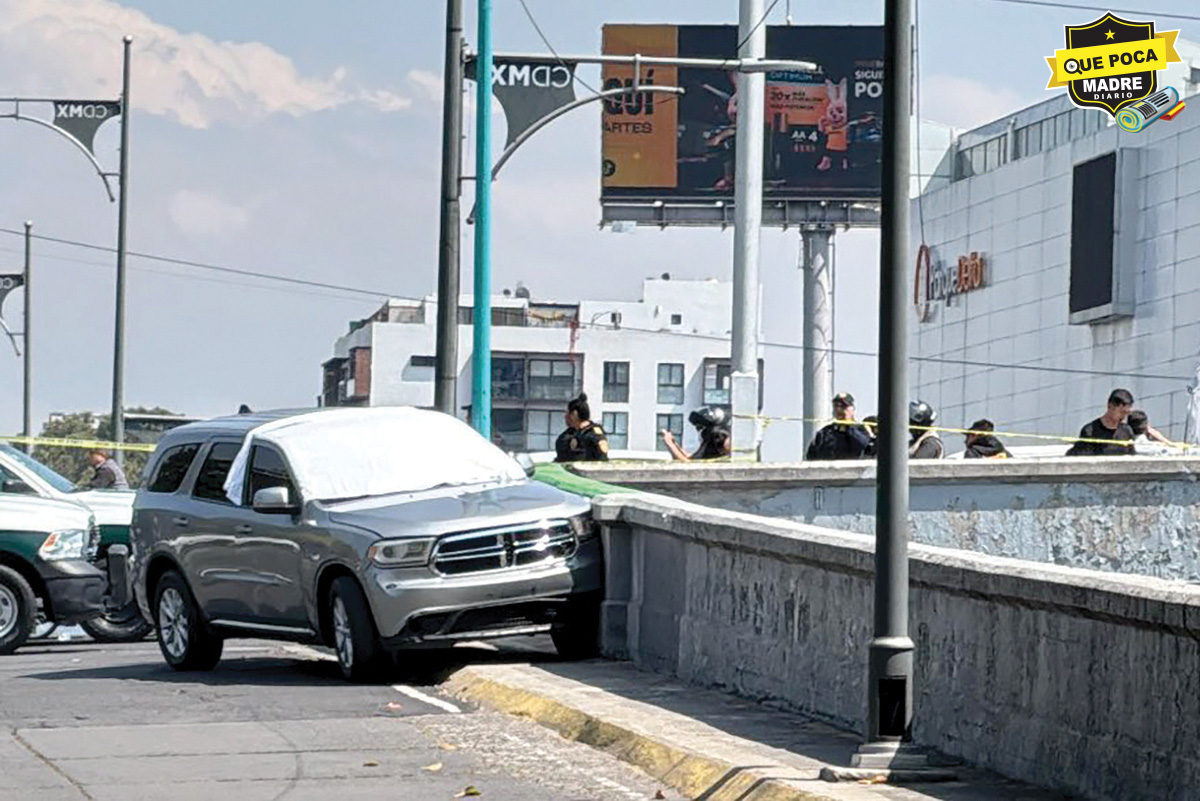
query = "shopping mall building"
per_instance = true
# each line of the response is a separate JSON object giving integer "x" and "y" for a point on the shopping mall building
{"x": 1077, "y": 248}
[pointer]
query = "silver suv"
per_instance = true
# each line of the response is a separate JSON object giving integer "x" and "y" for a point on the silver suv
{"x": 369, "y": 530}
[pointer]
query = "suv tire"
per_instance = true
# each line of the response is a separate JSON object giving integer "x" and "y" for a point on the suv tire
{"x": 355, "y": 640}
{"x": 184, "y": 639}
{"x": 18, "y": 610}
{"x": 578, "y": 637}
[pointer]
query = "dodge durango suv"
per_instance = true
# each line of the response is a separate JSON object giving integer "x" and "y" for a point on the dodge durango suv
{"x": 370, "y": 530}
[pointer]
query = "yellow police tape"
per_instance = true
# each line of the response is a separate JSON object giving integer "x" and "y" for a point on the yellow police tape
{"x": 768, "y": 420}
{"x": 61, "y": 442}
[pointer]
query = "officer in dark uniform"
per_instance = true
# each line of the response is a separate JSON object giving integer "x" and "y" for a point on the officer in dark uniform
{"x": 712, "y": 423}
{"x": 843, "y": 438}
{"x": 583, "y": 440}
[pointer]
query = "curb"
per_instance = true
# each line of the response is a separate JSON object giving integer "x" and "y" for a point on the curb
{"x": 692, "y": 773}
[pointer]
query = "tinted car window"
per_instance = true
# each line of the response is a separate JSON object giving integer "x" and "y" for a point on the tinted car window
{"x": 173, "y": 467}
{"x": 267, "y": 469}
{"x": 210, "y": 484}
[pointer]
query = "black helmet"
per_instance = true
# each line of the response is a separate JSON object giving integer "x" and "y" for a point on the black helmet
{"x": 921, "y": 413}
{"x": 708, "y": 417}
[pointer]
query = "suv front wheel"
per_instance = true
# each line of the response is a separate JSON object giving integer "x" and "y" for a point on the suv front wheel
{"x": 354, "y": 637}
{"x": 185, "y": 642}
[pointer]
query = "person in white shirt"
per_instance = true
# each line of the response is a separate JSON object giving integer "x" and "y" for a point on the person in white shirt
{"x": 1147, "y": 440}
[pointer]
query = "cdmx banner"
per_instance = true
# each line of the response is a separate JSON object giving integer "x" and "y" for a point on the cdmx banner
{"x": 823, "y": 131}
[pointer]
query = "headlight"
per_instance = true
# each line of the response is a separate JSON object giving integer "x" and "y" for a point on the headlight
{"x": 65, "y": 544}
{"x": 585, "y": 527}
{"x": 400, "y": 553}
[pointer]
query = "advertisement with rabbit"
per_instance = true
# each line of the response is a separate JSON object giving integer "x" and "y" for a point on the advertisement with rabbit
{"x": 823, "y": 130}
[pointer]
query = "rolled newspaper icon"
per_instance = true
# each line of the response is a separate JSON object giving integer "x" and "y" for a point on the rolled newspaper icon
{"x": 1136, "y": 117}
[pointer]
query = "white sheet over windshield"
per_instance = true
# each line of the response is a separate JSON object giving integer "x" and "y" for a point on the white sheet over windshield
{"x": 349, "y": 453}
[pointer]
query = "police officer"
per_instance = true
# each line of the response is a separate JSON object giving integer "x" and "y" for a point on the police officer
{"x": 583, "y": 440}
{"x": 924, "y": 443}
{"x": 712, "y": 422}
{"x": 843, "y": 438}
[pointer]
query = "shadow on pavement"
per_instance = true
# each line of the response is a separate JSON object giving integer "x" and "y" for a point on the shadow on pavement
{"x": 776, "y": 727}
{"x": 419, "y": 667}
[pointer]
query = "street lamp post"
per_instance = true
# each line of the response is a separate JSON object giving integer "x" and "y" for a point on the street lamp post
{"x": 118, "y": 388}
{"x": 27, "y": 338}
{"x": 481, "y": 357}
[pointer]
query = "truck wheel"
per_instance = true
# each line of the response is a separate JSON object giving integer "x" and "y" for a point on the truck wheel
{"x": 118, "y": 625}
{"x": 578, "y": 637}
{"x": 354, "y": 637}
{"x": 18, "y": 610}
{"x": 184, "y": 640}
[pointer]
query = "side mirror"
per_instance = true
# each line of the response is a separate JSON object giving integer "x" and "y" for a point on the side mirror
{"x": 273, "y": 500}
{"x": 526, "y": 462}
{"x": 16, "y": 486}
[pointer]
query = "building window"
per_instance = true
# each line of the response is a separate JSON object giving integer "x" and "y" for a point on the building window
{"x": 962, "y": 168}
{"x": 717, "y": 383}
{"x": 676, "y": 319}
{"x": 540, "y": 432}
{"x": 552, "y": 379}
{"x": 508, "y": 378}
{"x": 670, "y": 383}
{"x": 1062, "y": 128}
{"x": 508, "y": 429}
{"x": 423, "y": 361}
{"x": 616, "y": 426}
{"x": 669, "y": 422}
{"x": 616, "y": 382}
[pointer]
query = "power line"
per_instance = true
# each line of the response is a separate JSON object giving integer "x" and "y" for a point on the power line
{"x": 1139, "y": 11}
{"x": 757, "y": 25}
{"x": 691, "y": 335}
{"x": 213, "y": 267}
{"x": 546, "y": 41}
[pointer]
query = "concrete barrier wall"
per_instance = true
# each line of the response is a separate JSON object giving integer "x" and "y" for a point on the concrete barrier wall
{"x": 1067, "y": 678}
{"x": 1131, "y": 515}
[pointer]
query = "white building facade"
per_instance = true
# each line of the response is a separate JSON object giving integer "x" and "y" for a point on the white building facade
{"x": 1089, "y": 241}
{"x": 645, "y": 365}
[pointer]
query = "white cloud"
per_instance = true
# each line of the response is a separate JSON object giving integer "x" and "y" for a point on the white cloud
{"x": 72, "y": 48}
{"x": 203, "y": 213}
{"x": 963, "y": 103}
{"x": 427, "y": 83}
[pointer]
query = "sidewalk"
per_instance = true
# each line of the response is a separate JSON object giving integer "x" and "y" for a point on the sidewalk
{"x": 705, "y": 744}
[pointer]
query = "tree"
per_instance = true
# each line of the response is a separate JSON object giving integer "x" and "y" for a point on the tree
{"x": 72, "y": 462}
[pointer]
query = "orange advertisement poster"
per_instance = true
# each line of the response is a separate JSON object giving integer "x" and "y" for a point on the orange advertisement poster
{"x": 640, "y": 128}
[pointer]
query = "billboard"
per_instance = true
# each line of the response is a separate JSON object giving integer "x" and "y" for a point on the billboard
{"x": 822, "y": 133}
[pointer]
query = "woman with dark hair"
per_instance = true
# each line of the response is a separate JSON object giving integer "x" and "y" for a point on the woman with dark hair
{"x": 583, "y": 440}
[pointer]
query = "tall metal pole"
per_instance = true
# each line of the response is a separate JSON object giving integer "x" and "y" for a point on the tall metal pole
{"x": 747, "y": 198}
{"x": 481, "y": 357}
{"x": 27, "y": 338}
{"x": 118, "y": 389}
{"x": 446, "y": 387}
{"x": 890, "y": 670}
{"x": 818, "y": 325}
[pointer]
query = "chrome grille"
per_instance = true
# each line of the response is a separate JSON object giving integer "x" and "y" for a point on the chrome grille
{"x": 503, "y": 548}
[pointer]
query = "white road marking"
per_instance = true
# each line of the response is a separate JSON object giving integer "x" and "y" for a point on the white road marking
{"x": 404, "y": 689}
{"x": 307, "y": 652}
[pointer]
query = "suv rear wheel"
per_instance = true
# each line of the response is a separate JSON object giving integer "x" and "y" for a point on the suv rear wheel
{"x": 18, "y": 610}
{"x": 185, "y": 642}
{"x": 355, "y": 640}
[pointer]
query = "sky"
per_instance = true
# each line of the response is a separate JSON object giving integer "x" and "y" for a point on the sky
{"x": 302, "y": 138}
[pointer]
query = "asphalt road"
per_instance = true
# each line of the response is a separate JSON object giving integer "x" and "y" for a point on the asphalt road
{"x": 81, "y": 720}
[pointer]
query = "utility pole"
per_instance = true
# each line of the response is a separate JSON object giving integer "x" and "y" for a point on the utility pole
{"x": 446, "y": 386}
{"x": 27, "y": 428}
{"x": 818, "y": 325}
{"x": 117, "y": 421}
{"x": 747, "y": 199}
{"x": 481, "y": 358}
{"x": 890, "y": 670}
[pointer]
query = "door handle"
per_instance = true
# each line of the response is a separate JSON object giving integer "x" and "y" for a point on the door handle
{"x": 180, "y": 521}
{"x": 244, "y": 529}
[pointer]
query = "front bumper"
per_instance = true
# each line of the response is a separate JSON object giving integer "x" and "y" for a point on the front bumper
{"x": 75, "y": 590}
{"x": 414, "y": 604}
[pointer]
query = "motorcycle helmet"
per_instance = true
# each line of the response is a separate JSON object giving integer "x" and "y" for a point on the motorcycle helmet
{"x": 921, "y": 413}
{"x": 708, "y": 417}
